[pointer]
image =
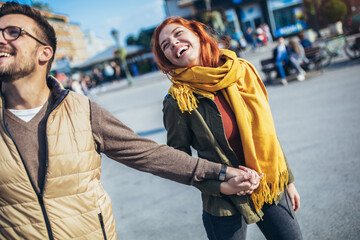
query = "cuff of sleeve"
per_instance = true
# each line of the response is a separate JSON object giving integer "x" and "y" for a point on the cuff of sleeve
{"x": 210, "y": 170}
{"x": 209, "y": 187}
{"x": 291, "y": 178}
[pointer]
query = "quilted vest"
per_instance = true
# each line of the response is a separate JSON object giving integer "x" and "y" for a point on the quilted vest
{"x": 73, "y": 204}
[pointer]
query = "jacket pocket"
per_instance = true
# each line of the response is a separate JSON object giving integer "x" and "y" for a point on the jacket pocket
{"x": 102, "y": 225}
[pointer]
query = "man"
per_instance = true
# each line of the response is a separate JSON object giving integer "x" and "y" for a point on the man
{"x": 281, "y": 56}
{"x": 51, "y": 140}
{"x": 303, "y": 40}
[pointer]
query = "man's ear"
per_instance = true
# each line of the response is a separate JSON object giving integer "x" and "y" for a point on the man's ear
{"x": 46, "y": 53}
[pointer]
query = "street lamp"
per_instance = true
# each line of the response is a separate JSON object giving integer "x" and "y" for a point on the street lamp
{"x": 120, "y": 53}
{"x": 208, "y": 5}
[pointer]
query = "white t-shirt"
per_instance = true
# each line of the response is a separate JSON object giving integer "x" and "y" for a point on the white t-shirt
{"x": 27, "y": 114}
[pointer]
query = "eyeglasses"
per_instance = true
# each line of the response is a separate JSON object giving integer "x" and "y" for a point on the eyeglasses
{"x": 11, "y": 33}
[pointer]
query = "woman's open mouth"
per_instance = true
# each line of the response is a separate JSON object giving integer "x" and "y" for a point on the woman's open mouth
{"x": 181, "y": 51}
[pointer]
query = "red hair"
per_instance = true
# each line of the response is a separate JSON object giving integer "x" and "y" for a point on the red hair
{"x": 209, "y": 51}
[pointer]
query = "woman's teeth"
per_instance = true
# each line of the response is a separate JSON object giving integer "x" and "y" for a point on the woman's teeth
{"x": 181, "y": 50}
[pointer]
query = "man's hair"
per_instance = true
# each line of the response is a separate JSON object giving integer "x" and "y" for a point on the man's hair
{"x": 47, "y": 32}
{"x": 210, "y": 53}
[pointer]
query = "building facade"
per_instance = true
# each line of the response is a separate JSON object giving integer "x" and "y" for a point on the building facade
{"x": 284, "y": 17}
{"x": 71, "y": 43}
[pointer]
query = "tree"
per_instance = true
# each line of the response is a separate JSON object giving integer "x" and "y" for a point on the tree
{"x": 144, "y": 38}
{"x": 131, "y": 40}
{"x": 311, "y": 8}
{"x": 334, "y": 10}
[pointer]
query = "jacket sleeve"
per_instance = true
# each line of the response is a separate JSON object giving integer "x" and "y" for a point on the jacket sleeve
{"x": 120, "y": 143}
{"x": 180, "y": 136}
{"x": 291, "y": 176}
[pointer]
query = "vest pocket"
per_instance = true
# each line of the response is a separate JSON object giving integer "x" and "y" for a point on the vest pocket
{"x": 102, "y": 225}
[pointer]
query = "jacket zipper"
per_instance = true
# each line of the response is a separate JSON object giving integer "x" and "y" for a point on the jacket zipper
{"x": 47, "y": 222}
{"x": 39, "y": 196}
{"x": 102, "y": 225}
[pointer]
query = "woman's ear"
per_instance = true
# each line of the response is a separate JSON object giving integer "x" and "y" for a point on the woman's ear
{"x": 46, "y": 53}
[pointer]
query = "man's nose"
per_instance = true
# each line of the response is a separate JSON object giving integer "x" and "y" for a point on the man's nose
{"x": 2, "y": 39}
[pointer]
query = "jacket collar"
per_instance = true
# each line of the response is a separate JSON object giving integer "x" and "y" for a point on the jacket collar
{"x": 56, "y": 88}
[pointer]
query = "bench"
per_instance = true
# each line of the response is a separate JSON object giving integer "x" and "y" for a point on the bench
{"x": 268, "y": 66}
{"x": 314, "y": 56}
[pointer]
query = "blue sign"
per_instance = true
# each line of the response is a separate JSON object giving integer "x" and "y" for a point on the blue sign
{"x": 290, "y": 29}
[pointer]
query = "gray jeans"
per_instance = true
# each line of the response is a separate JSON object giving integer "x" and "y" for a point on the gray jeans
{"x": 277, "y": 224}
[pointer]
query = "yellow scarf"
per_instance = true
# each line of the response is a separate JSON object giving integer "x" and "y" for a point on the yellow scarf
{"x": 243, "y": 89}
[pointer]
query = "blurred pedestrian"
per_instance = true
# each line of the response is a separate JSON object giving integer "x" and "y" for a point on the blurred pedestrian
{"x": 75, "y": 83}
{"x": 85, "y": 83}
{"x": 260, "y": 36}
{"x": 249, "y": 37}
{"x": 51, "y": 140}
{"x": 281, "y": 56}
{"x": 218, "y": 105}
{"x": 108, "y": 72}
{"x": 297, "y": 52}
{"x": 303, "y": 40}
{"x": 268, "y": 35}
{"x": 117, "y": 70}
{"x": 97, "y": 77}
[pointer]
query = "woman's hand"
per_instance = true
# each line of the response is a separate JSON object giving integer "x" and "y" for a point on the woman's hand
{"x": 255, "y": 179}
{"x": 294, "y": 196}
{"x": 240, "y": 181}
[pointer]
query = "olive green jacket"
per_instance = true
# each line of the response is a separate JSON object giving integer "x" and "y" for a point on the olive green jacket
{"x": 204, "y": 131}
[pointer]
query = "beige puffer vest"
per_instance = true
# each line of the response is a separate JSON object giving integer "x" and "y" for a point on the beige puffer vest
{"x": 73, "y": 204}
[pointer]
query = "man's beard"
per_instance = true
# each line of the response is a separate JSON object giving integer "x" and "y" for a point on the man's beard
{"x": 15, "y": 72}
{"x": 22, "y": 67}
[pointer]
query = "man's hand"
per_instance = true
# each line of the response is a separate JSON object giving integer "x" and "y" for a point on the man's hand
{"x": 294, "y": 196}
{"x": 236, "y": 185}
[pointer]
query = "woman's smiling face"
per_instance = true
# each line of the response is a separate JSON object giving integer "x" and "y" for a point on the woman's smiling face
{"x": 180, "y": 45}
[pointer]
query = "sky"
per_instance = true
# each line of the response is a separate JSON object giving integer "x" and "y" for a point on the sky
{"x": 127, "y": 16}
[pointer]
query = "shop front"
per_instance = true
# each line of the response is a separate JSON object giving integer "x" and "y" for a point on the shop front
{"x": 251, "y": 16}
{"x": 286, "y": 17}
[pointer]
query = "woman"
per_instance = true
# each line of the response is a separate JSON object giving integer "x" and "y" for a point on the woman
{"x": 218, "y": 105}
{"x": 297, "y": 52}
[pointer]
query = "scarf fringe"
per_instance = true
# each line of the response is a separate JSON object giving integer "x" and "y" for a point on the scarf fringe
{"x": 268, "y": 192}
{"x": 185, "y": 97}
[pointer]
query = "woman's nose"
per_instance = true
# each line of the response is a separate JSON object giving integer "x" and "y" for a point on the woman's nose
{"x": 174, "y": 42}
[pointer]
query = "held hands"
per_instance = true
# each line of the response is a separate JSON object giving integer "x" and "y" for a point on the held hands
{"x": 240, "y": 181}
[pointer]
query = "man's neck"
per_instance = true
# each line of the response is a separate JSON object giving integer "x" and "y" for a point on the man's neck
{"x": 26, "y": 93}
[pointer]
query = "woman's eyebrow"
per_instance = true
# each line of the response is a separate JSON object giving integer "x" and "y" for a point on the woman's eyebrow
{"x": 171, "y": 33}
